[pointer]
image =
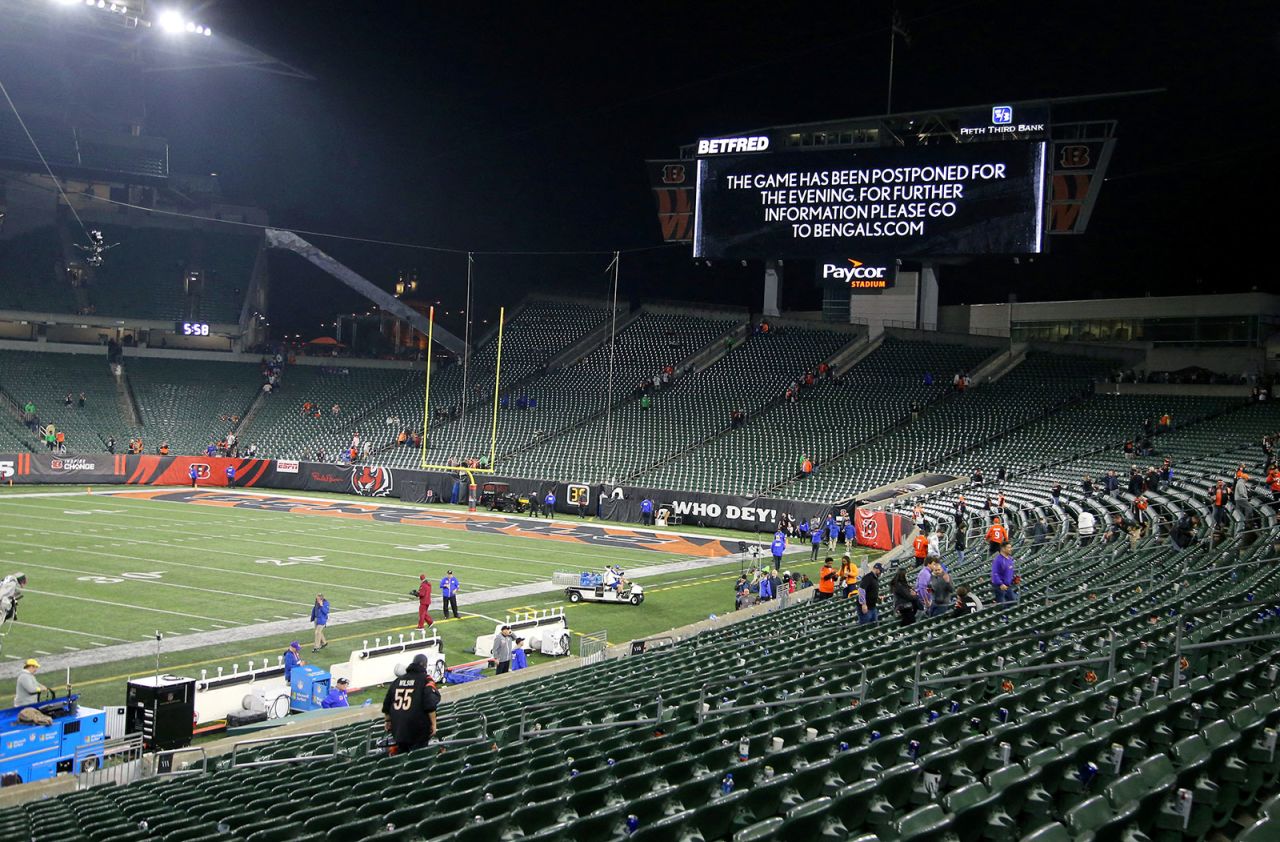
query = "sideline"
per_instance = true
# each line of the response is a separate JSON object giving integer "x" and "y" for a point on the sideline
{"x": 286, "y": 629}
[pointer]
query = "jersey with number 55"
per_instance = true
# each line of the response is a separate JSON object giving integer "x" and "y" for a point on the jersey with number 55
{"x": 410, "y": 701}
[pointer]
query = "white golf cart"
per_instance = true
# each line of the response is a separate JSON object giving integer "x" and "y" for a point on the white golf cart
{"x": 629, "y": 592}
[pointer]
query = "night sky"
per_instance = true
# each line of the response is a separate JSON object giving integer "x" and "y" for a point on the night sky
{"x": 525, "y": 127}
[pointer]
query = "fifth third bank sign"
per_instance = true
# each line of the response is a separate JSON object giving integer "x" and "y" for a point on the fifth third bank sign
{"x": 962, "y": 199}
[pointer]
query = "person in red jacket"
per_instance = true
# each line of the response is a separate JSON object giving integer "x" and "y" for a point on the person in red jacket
{"x": 423, "y": 593}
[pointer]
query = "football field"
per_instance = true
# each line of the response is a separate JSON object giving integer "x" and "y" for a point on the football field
{"x": 225, "y": 575}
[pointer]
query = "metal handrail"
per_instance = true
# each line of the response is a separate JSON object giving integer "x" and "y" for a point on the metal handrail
{"x": 1213, "y": 608}
{"x": 162, "y": 769}
{"x": 705, "y": 710}
{"x": 376, "y": 732}
{"x": 1109, "y": 660}
{"x": 525, "y": 732}
{"x": 235, "y": 750}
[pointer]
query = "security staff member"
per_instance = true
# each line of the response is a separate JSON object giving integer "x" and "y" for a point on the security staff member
{"x": 194, "y": 474}
{"x": 449, "y": 593}
{"x": 777, "y": 548}
{"x": 646, "y": 512}
{"x": 549, "y": 503}
{"x": 409, "y": 709}
{"x": 231, "y": 476}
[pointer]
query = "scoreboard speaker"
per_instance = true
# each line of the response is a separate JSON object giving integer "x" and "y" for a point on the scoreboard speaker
{"x": 162, "y": 708}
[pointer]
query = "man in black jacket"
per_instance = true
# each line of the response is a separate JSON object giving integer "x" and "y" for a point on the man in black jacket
{"x": 409, "y": 709}
{"x": 869, "y": 594}
{"x": 1184, "y": 530}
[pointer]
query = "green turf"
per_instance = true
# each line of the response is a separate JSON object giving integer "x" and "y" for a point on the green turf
{"x": 107, "y": 569}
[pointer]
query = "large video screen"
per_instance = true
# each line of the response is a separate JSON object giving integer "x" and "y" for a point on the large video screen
{"x": 961, "y": 199}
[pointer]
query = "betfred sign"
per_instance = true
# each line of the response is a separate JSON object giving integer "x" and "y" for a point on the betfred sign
{"x": 733, "y": 145}
{"x": 857, "y": 275}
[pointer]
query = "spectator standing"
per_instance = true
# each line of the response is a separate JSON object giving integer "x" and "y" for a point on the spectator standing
{"x": 962, "y": 536}
{"x": 1002, "y": 575}
{"x": 996, "y": 535}
{"x": 449, "y": 594}
{"x": 869, "y": 594}
{"x": 80, "y": 402}
{"x": 320, "y": 617}
{"x": 826, "y": 581}
{"x": 1241, "y": 494}
{"x": 923, "y": 592}
{"x": 1219, "y": 497}
{"x": 423, "y": 593}
{"x": 920, "y": 546}
{"x": 943, "y": 593}
{"x": 1086, "y": 525}
{"x": 500, "y": 651}
{"x": 519, "y": 658}
{"x": 905, "y": 600}
{"x": 1039, "y": 531}
{"x": 409, "y": 708}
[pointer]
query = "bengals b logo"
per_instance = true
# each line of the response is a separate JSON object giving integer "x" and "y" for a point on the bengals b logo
{"x": 1074, "y": 156}
{"x": 673, "y": 174}
{"x": 869, "y": 528}
{"x": 202, "y": 470}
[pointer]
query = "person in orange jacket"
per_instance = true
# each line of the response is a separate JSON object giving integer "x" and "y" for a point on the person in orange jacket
{"x": 996, "y": 535}
{"x": 826, "y": 581}
{"x": 920, "y": 545}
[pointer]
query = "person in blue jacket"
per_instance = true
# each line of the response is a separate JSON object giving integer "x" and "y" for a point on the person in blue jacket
{"x": 194, "y": 473}
{"x": 449, "y": 593}
{"x": 816, "y": 540}
{"x": 803, "y": 528}
{"x": 337, "y": 697}
{"x": 777, "y": 548}
{"x": 519, "y": 658}
{"x": 646, "y": 512}
{"x": 549, "y": 504}
{"x": 850, "y": 533}
{"x": 320, "y": 617}
{"x": 231, "y": 476}
{"x": 292, "y": 658}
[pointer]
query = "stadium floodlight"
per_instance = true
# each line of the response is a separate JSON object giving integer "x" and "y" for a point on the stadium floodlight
{"x": 170, "y": 20}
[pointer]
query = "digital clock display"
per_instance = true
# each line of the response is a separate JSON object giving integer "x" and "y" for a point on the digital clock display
{"x": 192, "y": 329}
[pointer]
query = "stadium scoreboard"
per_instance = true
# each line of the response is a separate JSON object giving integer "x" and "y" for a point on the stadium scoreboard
{"x": 881, "y": 202}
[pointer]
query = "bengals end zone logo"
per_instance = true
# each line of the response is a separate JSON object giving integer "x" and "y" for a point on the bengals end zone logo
{"x": 371, "y": 482}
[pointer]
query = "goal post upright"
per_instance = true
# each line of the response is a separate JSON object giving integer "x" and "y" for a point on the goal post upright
{"x": 497, "y": 380}
{"x": 426, "y": 389}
